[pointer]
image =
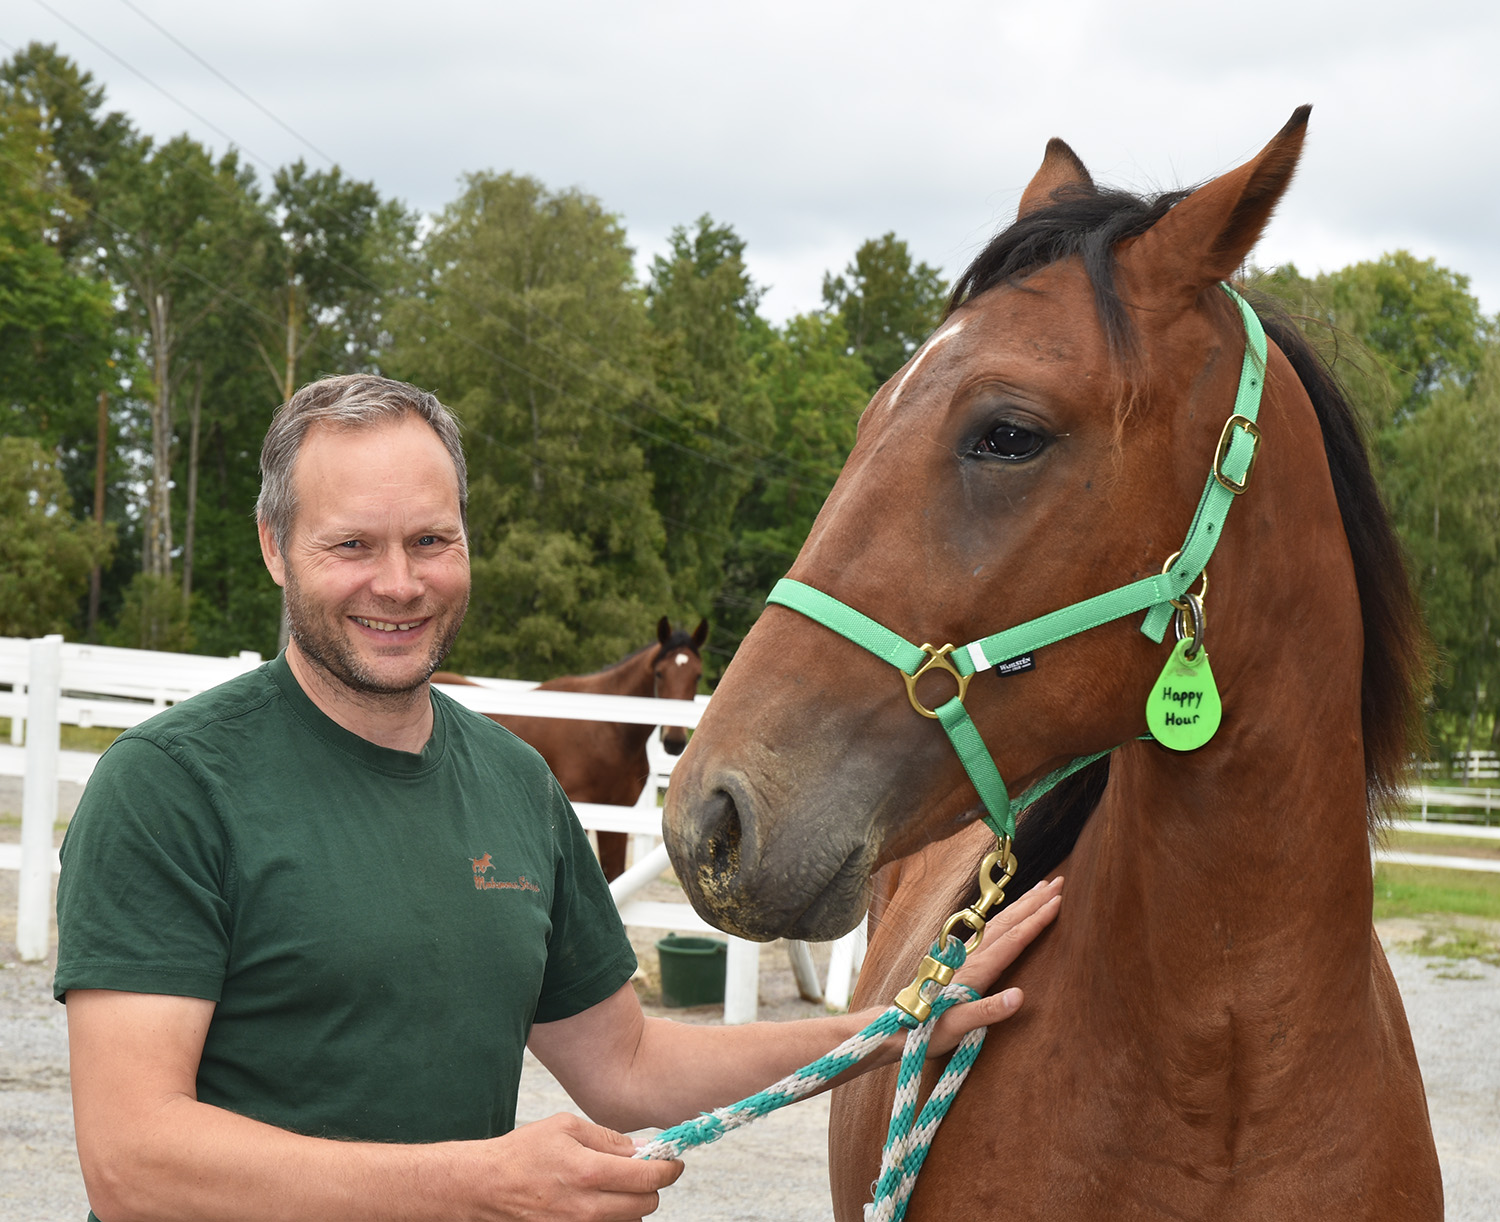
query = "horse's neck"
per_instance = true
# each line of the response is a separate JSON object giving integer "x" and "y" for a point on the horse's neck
{"x": 632, "y": 676}
{"x": 1219, "y": 868}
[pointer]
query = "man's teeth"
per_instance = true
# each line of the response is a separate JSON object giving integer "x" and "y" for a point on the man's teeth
{"x": 381, "y": 625}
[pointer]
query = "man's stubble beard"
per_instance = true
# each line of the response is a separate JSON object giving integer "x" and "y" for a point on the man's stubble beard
{"x": 320, "y": 639}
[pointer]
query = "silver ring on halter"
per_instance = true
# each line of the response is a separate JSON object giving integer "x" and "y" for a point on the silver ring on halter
{"x": 1195, "y": 609}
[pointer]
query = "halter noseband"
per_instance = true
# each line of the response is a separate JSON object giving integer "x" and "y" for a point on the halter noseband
{"x": 1230, "y": 475}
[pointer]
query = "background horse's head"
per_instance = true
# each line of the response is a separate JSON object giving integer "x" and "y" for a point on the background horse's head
{"x": 1049, "y": 442}
{"x": 677, "y": 667}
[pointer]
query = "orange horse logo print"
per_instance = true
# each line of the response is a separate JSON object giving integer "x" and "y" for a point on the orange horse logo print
{"x": 483, "y": 865}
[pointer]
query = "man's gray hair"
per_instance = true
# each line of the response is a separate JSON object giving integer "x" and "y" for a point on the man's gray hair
{"x": 353, "y": 401}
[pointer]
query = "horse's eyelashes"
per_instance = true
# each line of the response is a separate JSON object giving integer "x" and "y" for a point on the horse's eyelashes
{"x": 1012, "y": 442}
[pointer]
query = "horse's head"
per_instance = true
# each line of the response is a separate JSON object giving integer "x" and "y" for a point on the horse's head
{"x": 1048, "y": 443}
{"x": 677, "y": 667}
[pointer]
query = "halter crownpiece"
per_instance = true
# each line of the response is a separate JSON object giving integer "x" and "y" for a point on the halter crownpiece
{"x": 1159, "y": 596}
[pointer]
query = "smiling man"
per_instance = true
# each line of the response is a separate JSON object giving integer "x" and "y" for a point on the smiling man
{"x": 309, "y": 920}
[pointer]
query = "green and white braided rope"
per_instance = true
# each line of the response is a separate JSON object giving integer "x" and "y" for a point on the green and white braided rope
{"x": 909, "y": 1136}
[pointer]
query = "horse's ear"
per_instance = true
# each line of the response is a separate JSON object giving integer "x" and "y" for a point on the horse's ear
{"x": 700, "y": 634}
{"x": 1206, "y": 237}
{"x": 663, "y": 630}
{"x": 1060, "y": 174}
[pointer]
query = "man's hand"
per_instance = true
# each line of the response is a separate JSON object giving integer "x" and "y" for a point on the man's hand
{"x": 566, "y": 1167}
{"x": 1006, "y": 936}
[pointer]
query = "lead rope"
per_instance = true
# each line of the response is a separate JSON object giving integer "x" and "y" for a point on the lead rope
{"x": 909, "y": 1136}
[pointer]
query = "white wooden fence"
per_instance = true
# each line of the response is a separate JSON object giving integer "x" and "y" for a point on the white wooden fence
{"x": 53, "y": 684}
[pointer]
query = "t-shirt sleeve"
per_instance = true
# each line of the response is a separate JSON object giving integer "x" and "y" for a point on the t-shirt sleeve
{"x": 141, "y": 903}
{"x": 588, "y": 954}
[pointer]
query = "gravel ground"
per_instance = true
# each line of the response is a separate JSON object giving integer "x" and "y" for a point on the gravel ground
{"x": 776, "y": 1169}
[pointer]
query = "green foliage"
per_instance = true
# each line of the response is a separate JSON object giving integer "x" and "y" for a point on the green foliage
{"x": 55, "y": 325}
{"x": 529, "y": 324}
{"x": 1415, "y": 890}
{"x": 712, "y": 423}
{"x": 153, "y": 617}
{"x": 45, "y": 552}
{"x": 887, "y": 305}
{"x": 817, "y": 390}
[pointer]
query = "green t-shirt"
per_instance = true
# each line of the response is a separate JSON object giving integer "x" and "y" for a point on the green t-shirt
{"x": 378, "y": 929}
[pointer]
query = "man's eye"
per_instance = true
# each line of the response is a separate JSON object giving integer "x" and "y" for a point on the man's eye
{"x": 350, "y": 544}
{"x": 427, "y": 540}
{"x": 1012, "y": 442}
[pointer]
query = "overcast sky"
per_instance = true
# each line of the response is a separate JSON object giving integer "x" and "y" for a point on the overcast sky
{"x": 812, "y": 126}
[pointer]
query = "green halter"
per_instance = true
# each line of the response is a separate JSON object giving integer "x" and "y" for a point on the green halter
{"x": 1230, "y": 476}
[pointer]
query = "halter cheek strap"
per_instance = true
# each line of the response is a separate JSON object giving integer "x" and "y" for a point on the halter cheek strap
{"x": 1229, "y": 477}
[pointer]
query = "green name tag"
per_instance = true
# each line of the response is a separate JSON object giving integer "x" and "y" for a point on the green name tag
{"x": 1183, "y": 711}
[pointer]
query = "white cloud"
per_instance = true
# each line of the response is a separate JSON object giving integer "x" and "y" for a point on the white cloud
{"x": 813, "y": 126}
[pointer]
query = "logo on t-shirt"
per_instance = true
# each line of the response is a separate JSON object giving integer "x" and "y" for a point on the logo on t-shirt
{"x": 483, "y": 866}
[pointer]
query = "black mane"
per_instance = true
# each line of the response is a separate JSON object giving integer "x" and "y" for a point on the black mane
{"x": 1086, "y": 225}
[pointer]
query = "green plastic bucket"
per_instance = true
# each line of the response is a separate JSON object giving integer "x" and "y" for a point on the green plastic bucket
{"x": 692, "y": 970}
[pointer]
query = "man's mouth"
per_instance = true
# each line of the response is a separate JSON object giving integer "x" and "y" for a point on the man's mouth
{"x": 381, "y": 625}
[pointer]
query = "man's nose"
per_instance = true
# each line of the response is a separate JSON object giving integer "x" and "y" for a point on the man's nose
{"x": 397, "y": 576}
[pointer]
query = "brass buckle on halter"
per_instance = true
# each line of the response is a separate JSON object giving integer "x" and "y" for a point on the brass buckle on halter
{"x": 937, "y": 659}
{"x": 913, "y": 999}
{"x": 1226, "y": 439}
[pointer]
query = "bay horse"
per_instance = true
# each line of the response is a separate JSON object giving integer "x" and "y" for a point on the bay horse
{"x": 605, "y": 761}
{"x": 1211, "y": 1029}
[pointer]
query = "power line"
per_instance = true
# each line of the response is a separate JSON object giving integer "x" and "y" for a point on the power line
{"x": 781, "y": 460}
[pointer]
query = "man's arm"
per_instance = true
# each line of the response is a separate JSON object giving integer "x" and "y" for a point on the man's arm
{"x": 631, "y": 1072}
{"x": 150, "y": 1150}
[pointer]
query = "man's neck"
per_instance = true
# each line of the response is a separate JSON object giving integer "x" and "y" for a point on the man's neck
{"x": 401, "y": 721}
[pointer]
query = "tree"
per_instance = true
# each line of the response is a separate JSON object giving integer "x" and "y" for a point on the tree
{"x": 527, "y": 321}
{"x": 712, "y": 424}
{"x": 341, "y": 250}
{"x": 887, "y": 305}
{"x": 187, "y": 234}
{"x": 45, "y": 552}
{"x": 817, "y": 390}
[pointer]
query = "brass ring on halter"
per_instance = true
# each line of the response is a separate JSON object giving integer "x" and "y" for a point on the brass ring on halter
{"x": 1202, "y": 590}
{"x": 937, "y": 659}
{"x": 1195, "y": 609}
{"x": 973, "y": 920}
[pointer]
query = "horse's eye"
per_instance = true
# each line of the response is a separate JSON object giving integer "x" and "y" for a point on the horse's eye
{"x": 1013, "y": 442}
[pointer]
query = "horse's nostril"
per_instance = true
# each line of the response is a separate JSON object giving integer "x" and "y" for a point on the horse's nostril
{"x": 722, "y": 838}
{"x": 674, "y": 746}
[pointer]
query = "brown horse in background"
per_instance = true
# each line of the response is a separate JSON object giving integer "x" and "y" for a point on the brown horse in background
{"x": 605, "y": 761}
{"x": 1211, "y": 1030}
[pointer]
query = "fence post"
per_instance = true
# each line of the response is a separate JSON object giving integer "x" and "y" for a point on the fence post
{"x": 741, "y": 981}
{"x": 39, "y": 798}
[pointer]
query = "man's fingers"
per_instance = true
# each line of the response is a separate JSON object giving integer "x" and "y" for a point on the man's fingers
{"x": 622, "y": 1172}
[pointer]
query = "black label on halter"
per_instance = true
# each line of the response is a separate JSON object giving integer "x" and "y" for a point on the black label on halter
{"x": 1016, "y": 665}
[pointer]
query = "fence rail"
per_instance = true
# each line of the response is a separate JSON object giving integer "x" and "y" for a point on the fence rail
{"x": 51, "y": 683}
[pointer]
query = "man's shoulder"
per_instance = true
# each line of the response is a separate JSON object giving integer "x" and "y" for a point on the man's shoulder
{"x": 219, "y": 709}
{"x": 476, "y": 728}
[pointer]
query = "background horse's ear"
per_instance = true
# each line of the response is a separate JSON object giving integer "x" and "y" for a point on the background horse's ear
{"x": 663, "y": 630}
{"x": 1206, "y": 237}
{"x": 1061, "y": 173}
{"x": 700, "y": 634}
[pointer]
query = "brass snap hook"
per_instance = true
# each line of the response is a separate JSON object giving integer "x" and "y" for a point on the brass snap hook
{"x": 937, "y": 659}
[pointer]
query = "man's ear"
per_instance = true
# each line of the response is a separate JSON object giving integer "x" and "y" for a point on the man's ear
{"x": 271, "y": 554}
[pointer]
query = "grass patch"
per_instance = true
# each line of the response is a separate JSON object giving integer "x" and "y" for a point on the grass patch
{"x": 1412, "y": 891}
{"x": 1454, "y": 944}
{"x": 75, "y": 738}
{"x": 1418, "y": 842}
